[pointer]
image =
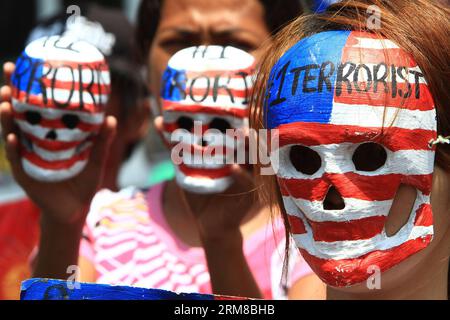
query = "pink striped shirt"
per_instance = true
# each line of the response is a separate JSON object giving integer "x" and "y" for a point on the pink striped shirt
{"x": 129, "y": 242}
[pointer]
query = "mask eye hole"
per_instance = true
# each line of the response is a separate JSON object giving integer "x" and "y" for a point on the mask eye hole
{"x": 33, "y": 117}
{"x": 305, "y": 160}
{"x": 369, "y": 157}
{"x": 185, "y": 123}
{"x": 220, "y": 124}
{"x": 70, "y": 121}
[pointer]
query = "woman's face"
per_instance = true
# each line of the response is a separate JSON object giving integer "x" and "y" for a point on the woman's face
{"x": 186, "y": 23}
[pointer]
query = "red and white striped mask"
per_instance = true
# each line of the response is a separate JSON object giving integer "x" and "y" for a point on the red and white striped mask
{"x": 354, "y": 117}
{"x": 60, "y": 89}
{"x": 205, "y": 92}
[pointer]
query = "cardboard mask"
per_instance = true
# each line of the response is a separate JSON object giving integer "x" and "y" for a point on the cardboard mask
{"x": 207, "y": 86}
{"x": 60, "y": 89}
{"x": 354, "y": 117}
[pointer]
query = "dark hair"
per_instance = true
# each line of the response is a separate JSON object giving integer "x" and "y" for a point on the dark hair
{"x": 277, "y": 14}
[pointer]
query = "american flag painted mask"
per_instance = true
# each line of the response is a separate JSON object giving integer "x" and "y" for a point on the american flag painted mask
{"x": 60, "y": 89}
{"x": 205, "y": 92}
{"x": 331, "y": 98}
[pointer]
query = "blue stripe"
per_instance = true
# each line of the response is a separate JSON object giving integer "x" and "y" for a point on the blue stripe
{"x": 173, "y": 85}
{"x": 322, "y": 50}
{"x": 28, "y": 71}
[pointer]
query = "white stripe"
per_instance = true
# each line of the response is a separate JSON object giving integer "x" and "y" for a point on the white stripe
{"x": 66, "y": 135}
{"x": 82, "y": 52}
{"x": 183, "y": 279}
{"x": 234, "y": 59}
{"x": 87, "y": 76}
{"x": 148, "y": 252}
{"x": 337, "y": 159}
{"x": 48, "y": 175}
{"x": 119, "y": 249}
{"x": 355, "y": 209}
{"x": 370, "y": 116}
{"x": 73, "y": 97}
{"x": 128, "y": 235}
{"x": 149, "y": 266}
{"x": 369, "y": 43}
{"x": 60, "y": 155}
{"x": 202, "y": 185}
{"x": 113, "y": 275}
{"x": 339, "y": 250}
{"x": 53, "y": 113}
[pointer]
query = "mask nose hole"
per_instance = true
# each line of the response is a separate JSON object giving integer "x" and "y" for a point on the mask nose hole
{"x": 333, "y": 200}
{"x": 51, "y": 135}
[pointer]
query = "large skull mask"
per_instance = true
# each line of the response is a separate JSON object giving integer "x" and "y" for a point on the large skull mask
{"x": 354, "y": 117}
{"x": 205, "y": 92}
{"x": 60, "y": 89}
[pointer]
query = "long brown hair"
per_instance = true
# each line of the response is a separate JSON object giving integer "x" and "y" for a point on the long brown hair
{"x": 420, "y": 27}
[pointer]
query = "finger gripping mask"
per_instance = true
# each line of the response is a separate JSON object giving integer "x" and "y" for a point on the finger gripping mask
{"x": 205, "y": 92}
{"x": 354, "y": 117}
{"x": 60, "y": 89}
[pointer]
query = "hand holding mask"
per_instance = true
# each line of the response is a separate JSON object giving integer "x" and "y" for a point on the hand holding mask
{"x": 60, "y": 89}
{"x": 205, "y": 93}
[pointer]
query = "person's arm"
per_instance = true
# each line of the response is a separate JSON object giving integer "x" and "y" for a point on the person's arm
{"x": 228, "y": 268}
{"x": 63, "y": 204}
{"x": 58, "y": 248}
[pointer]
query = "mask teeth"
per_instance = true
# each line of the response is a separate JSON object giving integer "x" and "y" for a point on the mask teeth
{"x": 81, "y": 147}
{"x": 27, "y": 143}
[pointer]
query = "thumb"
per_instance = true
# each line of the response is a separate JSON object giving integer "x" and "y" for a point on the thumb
{"x": 13, "y": 154}
{"x": 8, "y": 69}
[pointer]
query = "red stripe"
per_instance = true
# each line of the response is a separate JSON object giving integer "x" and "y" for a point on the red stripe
{"x": 398, "y": 57}
{"x": 353, "y": 185}
{"x": 297, "y": 225}
{"x": 51, "y": 145}
{"x": 346, "y": 272}
{"x": 206, "y": 173}
{"x": 424, "y": 216}
{"x": 381, "y": 98}
{"x": 57, "y": 123}
{"x": 96, "y": 88}
{"x": 315, "y": 134}
{"x": 96, "y": 65}
{"x": 215, "y": 110}
{"x": 55, "y": 165}
{"x": 363, "y": 34}
{"x": 360, "y": 229}
{"x": 38, "y": 101}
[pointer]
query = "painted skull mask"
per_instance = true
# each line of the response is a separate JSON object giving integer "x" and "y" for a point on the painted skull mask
{"x": 60, "y": 89}
{"x": 205, "y": 92}
{"x": 354, "y": 117}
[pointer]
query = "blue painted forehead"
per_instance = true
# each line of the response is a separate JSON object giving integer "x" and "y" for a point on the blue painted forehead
{"x": 305, "y": 76}
{"x": 320, "y": 76}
